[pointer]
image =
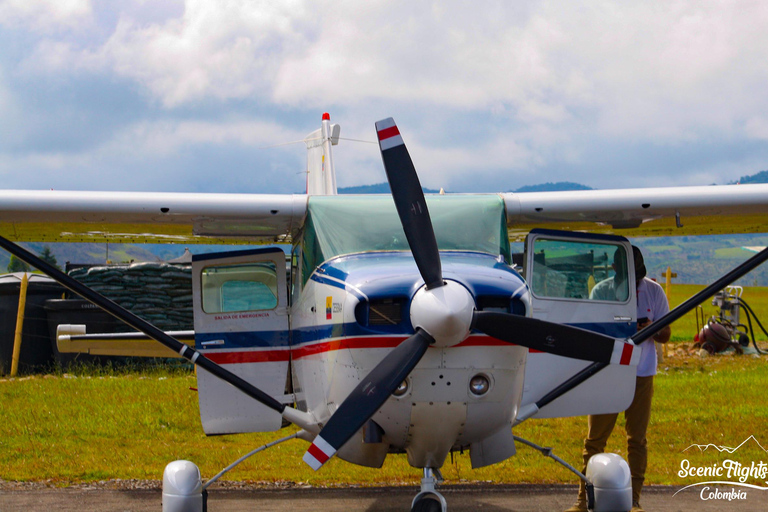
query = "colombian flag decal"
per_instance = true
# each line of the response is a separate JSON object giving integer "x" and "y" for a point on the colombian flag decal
{"x": 329, "y": 308}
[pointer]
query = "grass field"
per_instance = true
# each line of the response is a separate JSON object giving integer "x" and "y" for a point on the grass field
{"x": 83, "y": 428}
{"x": 95, "y": 425}
{"x": 685, "y": 328}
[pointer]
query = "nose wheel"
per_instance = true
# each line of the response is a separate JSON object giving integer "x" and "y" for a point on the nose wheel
{"x": 429, "y": 500}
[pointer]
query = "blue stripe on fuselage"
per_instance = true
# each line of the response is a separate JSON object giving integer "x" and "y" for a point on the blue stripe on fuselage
{"x": 394, "y": 274}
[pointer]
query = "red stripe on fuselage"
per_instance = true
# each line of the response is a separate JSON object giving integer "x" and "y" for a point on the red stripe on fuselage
{"x": 386, "y": 133}
{"x": 344, "y": 343}
{"x": 251, "y": 356}
{"x": 266, "y": 356}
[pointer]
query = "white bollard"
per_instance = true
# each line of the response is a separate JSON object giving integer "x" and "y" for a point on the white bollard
{"x": 182, "y": 487}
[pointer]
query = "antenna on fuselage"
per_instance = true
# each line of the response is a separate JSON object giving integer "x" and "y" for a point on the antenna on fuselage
{"x": 321, "y": 174}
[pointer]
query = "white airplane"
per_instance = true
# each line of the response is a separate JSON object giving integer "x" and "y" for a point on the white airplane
{"x": 403, "y": 325}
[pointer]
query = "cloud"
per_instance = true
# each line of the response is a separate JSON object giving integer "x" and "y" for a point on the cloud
{"x": 168, "y": 155}
{"x": 540, "y": 91}
{"x": 45, "y": 15}
{"x": 220, "y": 50}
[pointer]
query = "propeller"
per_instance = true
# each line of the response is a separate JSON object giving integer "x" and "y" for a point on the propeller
{"x": 442, "y": 313}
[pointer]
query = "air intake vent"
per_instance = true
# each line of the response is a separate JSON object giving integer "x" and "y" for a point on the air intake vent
{"x": 385, "y": 312}
{"x": 490, "y": 303}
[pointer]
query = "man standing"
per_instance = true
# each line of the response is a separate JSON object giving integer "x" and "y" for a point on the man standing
{"x": 651, "y": 305}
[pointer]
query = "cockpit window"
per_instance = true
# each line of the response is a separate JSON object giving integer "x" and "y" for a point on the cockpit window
{"x": 338, "y": 225}
{"x": 580, "y": 270}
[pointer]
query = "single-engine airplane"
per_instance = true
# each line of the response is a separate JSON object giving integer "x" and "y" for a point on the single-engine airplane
{"x": 403, "y": 324}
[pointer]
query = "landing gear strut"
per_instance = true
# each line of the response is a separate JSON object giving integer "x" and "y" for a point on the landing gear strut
{"x": 429, "y": 500}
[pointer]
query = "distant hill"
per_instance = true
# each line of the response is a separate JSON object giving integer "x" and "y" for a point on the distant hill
{"x": 379, "y": 188}
{"x": 383, "y": 188}
{"x": 553, "y": 187}
{"x": 761, "y": 177}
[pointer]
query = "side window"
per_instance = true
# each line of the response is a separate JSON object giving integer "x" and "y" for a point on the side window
{"x": 579, "y": 270}
{"x": 241, "y": 287}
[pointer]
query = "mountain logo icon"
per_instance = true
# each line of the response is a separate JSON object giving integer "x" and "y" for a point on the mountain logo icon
{"x": 727, "y": 449}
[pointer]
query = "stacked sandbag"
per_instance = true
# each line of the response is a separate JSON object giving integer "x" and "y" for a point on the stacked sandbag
{"x": 160, "y": 293}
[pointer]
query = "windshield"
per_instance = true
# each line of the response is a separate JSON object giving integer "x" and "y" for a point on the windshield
{"x": 350, "y": 224}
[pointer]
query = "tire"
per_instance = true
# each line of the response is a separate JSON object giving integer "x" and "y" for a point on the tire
{"x": 427, "y": 505}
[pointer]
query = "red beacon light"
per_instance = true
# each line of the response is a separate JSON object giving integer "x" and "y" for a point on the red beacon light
{"x": 326, "y": 116}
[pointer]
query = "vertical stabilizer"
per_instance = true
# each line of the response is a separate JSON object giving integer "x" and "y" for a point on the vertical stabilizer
{"x": 321, "y": 174}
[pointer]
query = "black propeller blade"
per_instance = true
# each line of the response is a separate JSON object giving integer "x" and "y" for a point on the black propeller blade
{"x": 366, "y": 398}
{"x": 558, "y": 339}
{"x": 410, "y": 202}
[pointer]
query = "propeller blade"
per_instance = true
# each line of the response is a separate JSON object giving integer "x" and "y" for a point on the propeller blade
{"x": 410, "y": 202}
{"x": 558, "y": 339}
{"x": 367, "y": 398}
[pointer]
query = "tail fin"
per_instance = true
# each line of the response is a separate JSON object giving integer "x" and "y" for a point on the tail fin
{"x": 321, "y": 175}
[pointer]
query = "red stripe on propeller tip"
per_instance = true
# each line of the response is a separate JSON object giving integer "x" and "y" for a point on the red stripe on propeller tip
{"x": 626, "y": 354}
{"x": 388, "y": 133}
{"x": 318, "y": 454}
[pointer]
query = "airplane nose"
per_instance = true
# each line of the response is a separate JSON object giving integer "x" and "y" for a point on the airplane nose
{"x": 444, "y": 312}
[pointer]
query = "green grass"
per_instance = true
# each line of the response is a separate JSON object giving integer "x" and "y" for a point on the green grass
{"x": 128, "y": 425}
{"x": 734, "y": 253}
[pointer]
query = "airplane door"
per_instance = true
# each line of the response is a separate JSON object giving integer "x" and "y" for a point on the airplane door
{"x": 582, "y": 280}
{"x": 240, "y": 302}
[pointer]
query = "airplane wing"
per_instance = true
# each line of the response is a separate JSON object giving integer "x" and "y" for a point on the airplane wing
{"x": 642, "y": 212}
{"x": 141, "y": 217}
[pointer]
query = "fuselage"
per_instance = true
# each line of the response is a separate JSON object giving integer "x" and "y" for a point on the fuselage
{"x": 352, "y": 285}
{"x": 354, "y": 280}
{"x": 367, "y": 313}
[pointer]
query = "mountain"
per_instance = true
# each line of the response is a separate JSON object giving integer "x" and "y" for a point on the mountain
{"x": 379, "y": 188}
{"x": 383, "y": 188}
{"x": 761, "y": 177}
{"x": 553, "y": 187}
{"x": 88, "y": 253}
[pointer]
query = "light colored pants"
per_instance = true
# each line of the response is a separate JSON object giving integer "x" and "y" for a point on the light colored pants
{"x": 637, "y": 416}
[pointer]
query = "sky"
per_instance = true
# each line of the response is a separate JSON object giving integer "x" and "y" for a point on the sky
{"x": 203, "y": 95}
